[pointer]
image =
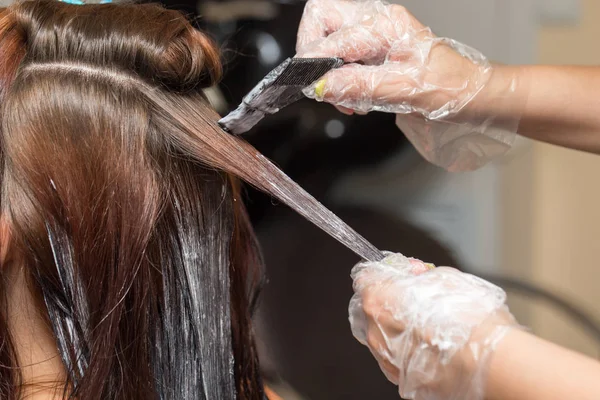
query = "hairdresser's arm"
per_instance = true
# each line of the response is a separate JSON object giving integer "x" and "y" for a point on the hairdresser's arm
{"x": 442, "y": 334}
{"x": 525, "y": 367}
{"x": 561, "y": 105}
{"x": 271, "y": 395}
{"x": 456, "y": 107}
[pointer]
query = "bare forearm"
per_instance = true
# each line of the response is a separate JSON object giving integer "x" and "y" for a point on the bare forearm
{"x": 525, "y": 367}
{"x": 560, "y": 105}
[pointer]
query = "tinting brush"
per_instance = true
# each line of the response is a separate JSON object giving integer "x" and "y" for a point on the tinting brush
{"x": 281, "y": 87}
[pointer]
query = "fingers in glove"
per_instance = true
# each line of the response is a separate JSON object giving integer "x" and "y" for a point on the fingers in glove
{"x": 320, "y": 19}
{"x": 378, "y": 346}
{"x": 365, "y": 88}
{"x": 365, "y": 32}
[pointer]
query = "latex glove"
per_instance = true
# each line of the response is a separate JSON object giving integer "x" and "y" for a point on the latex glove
{"x": 439, "y": 88}
{"x": 432, "y": 330}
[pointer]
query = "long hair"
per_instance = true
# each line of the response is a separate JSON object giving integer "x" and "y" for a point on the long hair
{"x": 123, "y": 205}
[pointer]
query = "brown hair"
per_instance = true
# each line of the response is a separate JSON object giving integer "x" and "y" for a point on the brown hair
{"x": 139, "y": 251}
{"x": 120, "y": 193}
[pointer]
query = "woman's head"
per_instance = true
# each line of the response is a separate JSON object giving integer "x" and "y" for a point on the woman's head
{"x": 120, "y": 208}
{"x": 135, "y": 249}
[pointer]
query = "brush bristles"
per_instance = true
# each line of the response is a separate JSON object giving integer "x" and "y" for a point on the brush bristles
{"x": 304, "y": 71}
{"x": 280, "y": 88}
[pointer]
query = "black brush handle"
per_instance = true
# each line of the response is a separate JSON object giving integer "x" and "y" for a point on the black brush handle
{"x": 280, "y": 88}
{"x": 304, "y": 71}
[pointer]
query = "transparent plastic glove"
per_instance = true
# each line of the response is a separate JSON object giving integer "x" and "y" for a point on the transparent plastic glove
{"x": 450, "y": 102}
{"x": 432, "y": 330}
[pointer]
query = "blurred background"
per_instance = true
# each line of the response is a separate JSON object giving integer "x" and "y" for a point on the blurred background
{"x": 529, "y": 222}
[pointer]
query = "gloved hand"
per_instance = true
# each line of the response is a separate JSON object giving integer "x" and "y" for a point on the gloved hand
{"x": 432, "y": 330}
{"x": 451, "y": 102}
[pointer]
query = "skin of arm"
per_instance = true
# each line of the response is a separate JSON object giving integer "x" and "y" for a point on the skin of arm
{"x": 559, "y": 105}
{"x": 525, "y": 367}
{"x": 271, "y": 395}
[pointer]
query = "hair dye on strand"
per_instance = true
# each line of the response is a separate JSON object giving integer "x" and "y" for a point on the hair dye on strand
{"x": 121, "y": 197}
{"x": 244, "y": 161}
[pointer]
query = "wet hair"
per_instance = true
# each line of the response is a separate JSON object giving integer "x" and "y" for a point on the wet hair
{"x": 123, "y": 206}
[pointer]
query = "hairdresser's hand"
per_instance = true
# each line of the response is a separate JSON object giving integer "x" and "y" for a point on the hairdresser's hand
{"x": 432, "y": 330}
{"x": 439, "y": 88}
{"x": 407, "y": 68}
